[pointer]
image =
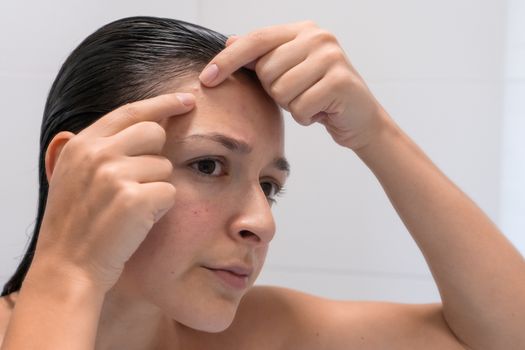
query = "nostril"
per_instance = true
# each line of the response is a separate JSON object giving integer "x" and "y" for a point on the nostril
{"x": 245, "y": 233}
{"x": 248, "y": 234}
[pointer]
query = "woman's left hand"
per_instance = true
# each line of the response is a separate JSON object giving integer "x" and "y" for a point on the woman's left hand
{"x": 305, "y": 70}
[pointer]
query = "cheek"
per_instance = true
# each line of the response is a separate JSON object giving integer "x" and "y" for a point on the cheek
{"x": 176, "y": 242}
{"x": 183, "y": 230}
{"x": 185, "y": 227}
{"x": 260, "y": 257}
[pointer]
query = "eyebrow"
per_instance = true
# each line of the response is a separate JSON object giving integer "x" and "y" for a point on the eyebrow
{"x": 238, "y": 146}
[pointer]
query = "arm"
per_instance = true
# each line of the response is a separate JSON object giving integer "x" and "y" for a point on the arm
{"x": 302, "y": 321}
{"x": 86, "y": 237}
{"x": 54, "y": 312}
{"x": 480, "y": 275}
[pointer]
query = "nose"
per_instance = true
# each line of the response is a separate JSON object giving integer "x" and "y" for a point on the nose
{"x": 253, "y": 221}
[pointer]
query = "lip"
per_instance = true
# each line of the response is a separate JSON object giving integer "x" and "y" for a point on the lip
{"x": 235, "y": 276}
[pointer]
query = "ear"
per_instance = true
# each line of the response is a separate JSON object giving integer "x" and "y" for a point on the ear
{"x": 54, "y": 149}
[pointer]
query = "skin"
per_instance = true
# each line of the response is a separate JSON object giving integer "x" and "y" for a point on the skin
{"x": 143, "y": 277}
{"x": 216, "y": 220}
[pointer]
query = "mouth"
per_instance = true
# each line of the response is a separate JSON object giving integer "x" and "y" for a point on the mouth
{"x": 234, "y": 276}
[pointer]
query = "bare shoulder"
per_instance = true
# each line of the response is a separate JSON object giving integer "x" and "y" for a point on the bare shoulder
{"x": 261, "y": 322}
{"x": 289, "y": 319}
{"x": 7, "y": 304}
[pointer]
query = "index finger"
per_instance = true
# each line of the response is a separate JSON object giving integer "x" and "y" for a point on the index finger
{"x": 151, "y": 109}
{"x": 245, "y": 50}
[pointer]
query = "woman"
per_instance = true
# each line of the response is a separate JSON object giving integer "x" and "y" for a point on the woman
{"x": 158, "y": 219}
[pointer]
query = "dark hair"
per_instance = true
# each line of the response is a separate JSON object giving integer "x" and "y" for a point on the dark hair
{"x": 127, "y": 60}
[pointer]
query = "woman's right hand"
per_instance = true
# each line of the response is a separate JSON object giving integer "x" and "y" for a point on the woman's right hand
{"x": 107, "y": 187}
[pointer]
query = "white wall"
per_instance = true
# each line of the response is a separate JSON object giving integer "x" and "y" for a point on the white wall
{"x": 436, "y": 66}
{"x": 35, "y": 39}
{"x": 513, "y": 155}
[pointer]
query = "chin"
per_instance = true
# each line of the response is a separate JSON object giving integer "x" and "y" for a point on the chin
{"x": 210, "y": 321}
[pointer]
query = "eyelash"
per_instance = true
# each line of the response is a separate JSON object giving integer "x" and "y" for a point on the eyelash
{"x": 278, "y": 192}
{"x": 199, "y": 161}
{"x": 277, "y": 189}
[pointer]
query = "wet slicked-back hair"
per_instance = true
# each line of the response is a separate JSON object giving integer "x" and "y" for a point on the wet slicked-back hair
{"x": 124, "y": 61}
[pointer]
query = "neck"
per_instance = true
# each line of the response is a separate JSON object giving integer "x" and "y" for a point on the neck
{"x": 128, "y": 321}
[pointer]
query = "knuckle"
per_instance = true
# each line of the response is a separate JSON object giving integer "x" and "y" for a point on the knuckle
{"x": 262, "y": 69}
{"x": 170, "y": 190}
{"x": 282, "y": 102}
{"x": 301, "y": 120}
{"x": 166, "y": 167}
{"x": 333, "y": 54}
{"x": 129, "y": 197}
{"x": 129, "y": 111}
{"x": 74, "y": 145}
{"x": 88, "y": 152}
{"x": 275, "y": 91}
{"x": 224, "y": 59}
{"x": 154, "y": 129}
{"x": 153, "y": 133}
{"x": 266, "y": 82}
{"x": 323, "y": 36}
{"x": 298, "y": 115}
{"x": 107, "y": 173}
{"x": 342, "y": 80}
{"x": 99, "y": 154}
{"x": 168, "y": 99}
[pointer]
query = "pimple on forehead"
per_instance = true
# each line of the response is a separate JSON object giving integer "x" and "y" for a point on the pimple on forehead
{"x": 194, "y": 89}
{"x": 237, "y": 95}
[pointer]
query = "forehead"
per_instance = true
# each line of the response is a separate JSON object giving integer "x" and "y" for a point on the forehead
{"x": 238, "y": 107}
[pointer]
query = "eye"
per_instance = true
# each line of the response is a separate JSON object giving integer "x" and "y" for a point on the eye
{"x": 271, "y": 189}
{"x": 208, "y": 167}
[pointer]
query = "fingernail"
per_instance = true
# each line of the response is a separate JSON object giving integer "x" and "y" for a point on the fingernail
{"x": 209, "y": 74}
{"x": 185, "y": 98}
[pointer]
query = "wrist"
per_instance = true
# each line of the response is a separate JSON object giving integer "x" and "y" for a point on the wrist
{"x": 62, "y": 283}
{"x": 381, "y": 128}
{"x": 54, "y": 311}
{"x": 383, "y": 131}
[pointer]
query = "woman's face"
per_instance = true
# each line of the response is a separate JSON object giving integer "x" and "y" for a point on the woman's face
{"x": 227, "y": 157}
